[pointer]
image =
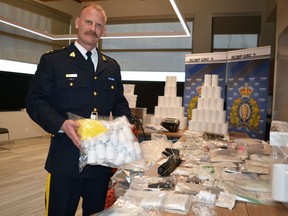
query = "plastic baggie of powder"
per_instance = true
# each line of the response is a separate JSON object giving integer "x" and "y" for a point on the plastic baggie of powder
{"x": 206, "y": 197}
{"x": 124, "y": 207}
{"x": 154, "y": 199}
{"x": 177, "y": 202}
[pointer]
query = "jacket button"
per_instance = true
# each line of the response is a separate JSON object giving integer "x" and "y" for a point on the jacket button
{"x": 95, "y": 77}
{"x": 112, "y": 87}
{"x": 94, "y": 93}
{"x": 71, "y": 84}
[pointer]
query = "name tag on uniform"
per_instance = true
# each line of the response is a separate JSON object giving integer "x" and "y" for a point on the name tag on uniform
{"x": 71, "y": 75}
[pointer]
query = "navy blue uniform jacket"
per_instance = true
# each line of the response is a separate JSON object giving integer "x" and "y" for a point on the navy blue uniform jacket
{"x": 64, "y": 83}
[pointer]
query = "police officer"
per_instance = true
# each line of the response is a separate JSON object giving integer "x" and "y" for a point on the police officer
{"x": 66, "y": 82}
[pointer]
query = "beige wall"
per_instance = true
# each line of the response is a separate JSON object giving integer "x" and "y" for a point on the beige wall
{"x": 205, "y": 10}
{"x": 282, "y": 16}
{"x": 280, "y": 102}
{"x": 19, "y": 125}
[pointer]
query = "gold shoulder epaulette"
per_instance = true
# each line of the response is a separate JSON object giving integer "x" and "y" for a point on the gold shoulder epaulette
{"x": 105, "y": 57}
{"x": 50, "y": 51}
{"x": 56, "y": 50}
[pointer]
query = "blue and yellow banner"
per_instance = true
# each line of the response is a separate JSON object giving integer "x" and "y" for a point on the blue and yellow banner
{"x": 196, "y": 66}
{"x": 247, "y": 90}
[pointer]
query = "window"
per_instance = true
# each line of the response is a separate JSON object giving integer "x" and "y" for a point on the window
{"x": 230, "y": 33}
{"x": 149, "y": 54}
{"x": 235, "y": 41}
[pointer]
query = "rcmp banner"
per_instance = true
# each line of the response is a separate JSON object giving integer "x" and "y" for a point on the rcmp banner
{"x": 247, "y": 90}
{"x": 196, "y": 66}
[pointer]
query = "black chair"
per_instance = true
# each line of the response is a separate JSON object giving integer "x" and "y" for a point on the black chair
{"x": 5, "y": 131}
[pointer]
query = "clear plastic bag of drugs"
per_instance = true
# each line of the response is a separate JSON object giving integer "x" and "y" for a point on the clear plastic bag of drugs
{"x": 105, "y": 142}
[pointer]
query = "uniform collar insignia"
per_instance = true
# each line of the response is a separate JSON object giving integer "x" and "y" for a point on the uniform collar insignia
{"x": 72, "y": 54}
{"x": 104, "y": 58}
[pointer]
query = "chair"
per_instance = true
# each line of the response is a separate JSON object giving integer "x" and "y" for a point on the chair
{"x": 5, "y": 131}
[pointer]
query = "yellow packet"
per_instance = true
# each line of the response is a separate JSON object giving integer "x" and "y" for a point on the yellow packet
{"x": 90, "y": 128}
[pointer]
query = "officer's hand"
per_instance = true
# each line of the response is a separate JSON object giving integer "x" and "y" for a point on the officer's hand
{"x": 132, "y": 127}
{"x": 69, "y": 127}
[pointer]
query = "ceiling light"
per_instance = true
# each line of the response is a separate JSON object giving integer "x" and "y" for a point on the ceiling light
{"x": 22, "y": 27}
{"x": 170, "y": 34}
{"x": 183, "y": 23}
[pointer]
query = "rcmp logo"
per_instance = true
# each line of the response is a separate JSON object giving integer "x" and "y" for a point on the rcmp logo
{"x": 245, "y": 110}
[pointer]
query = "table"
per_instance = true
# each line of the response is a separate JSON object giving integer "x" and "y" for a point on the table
{"x": 240, "y": 208}
{"x": 179, "y": 133}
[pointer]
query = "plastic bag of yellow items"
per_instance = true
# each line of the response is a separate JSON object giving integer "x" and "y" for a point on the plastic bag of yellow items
{"x": 106, "y": 142}
{"x": 90, "y": 128}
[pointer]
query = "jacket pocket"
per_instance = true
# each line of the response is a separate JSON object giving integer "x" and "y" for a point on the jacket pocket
{"x": 71, "y": 94}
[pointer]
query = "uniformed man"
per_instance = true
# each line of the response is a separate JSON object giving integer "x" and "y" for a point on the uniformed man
{"x": 65, "y": 81}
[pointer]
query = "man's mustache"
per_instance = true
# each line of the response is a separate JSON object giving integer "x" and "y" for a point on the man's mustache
{"x": 92, "y": 33}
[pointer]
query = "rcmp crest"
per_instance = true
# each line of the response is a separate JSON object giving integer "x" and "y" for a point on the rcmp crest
{"x": 245, "y": 110}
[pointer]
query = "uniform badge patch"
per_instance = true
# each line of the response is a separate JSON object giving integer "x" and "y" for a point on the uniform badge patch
{"x": 72, "y": 54}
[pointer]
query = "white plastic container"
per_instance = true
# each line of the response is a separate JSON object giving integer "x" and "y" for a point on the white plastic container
{"x": 132, "y": 99}
{"x": 129, "y": 89}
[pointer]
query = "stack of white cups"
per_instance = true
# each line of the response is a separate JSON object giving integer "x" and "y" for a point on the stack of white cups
{"x": 169, "y": 105}
{"x": 209, "y": 116}
{"x": 129, "y": 95}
